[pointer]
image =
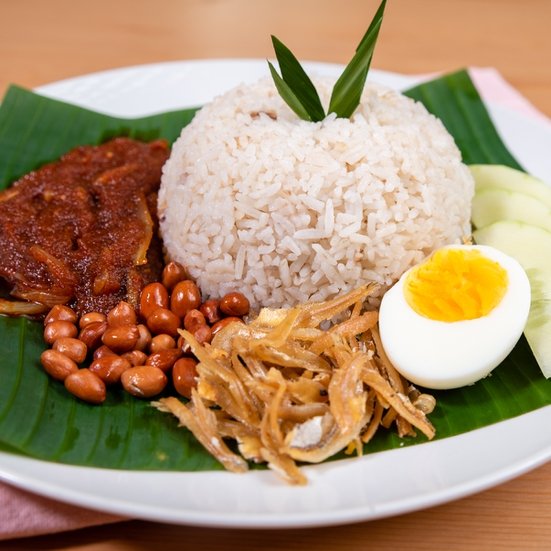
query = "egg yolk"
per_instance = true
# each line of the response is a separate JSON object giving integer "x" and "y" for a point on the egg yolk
{"x": 455, "y": 285}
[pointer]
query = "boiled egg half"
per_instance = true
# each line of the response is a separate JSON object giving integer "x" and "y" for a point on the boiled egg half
{"x": 450, "y": 320}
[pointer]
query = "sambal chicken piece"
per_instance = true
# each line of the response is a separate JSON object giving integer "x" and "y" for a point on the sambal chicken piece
{"x": 82, "y": 231}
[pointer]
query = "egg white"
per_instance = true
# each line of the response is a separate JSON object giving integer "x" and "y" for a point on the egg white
{"x": 444, "y": 355}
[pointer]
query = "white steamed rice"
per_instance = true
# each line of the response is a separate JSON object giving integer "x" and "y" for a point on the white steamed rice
{"x": 255, "y": 200}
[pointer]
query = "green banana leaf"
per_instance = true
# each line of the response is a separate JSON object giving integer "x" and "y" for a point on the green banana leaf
{"x": 40, "y": 419}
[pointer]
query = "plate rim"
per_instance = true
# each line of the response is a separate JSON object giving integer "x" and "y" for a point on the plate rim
{"x": 42, "y": 485}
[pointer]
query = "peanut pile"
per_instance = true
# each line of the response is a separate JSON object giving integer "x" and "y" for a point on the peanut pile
{"x": 142, "y": 351}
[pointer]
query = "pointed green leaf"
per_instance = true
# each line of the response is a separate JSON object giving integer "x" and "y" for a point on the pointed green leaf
{"x": 298, "y": 81}
{"x": 377, "y": 18}
{"x": 348, "y": 89}
{"x": 287, "y": 93}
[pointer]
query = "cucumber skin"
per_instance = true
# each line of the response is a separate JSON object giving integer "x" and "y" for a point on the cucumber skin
{"x": 492, "y": 205}
{"x": 507, "y": 178}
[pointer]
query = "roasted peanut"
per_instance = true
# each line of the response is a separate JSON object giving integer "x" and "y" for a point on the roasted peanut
{"x": 92, "y": 333}
{"x": 110, "y": 368}
{"x": 143, "y": 381}
{"x": 91, "y": 317}
{"x": 86, "y": 385}
{"x": 184, "y": 376}
{"x": 72, "y": 348}
{"x": 202, "y": 334}
{"x": 153, "y": 296}
{"x": 211, "y": 310}
{"x": 161, "y": 342}
{"x": 234, "y": 304}
{"x": 185, "y": 297}
{"x": 102, "y": 351}
{"x": 173, "y": 273}
{"x": 223, "y": 322}
{"x": 60, "y": 312}
{"x": 57, "y": 365}
{"x": 121, "y": 338}
{"x": 193, "y": 319}
{"x": 144, "y": 338}
{"x": 164, "y": 359}
{"x": 163, "y": 320}
{"x": 135, "y": 357}
{"x": 121, "y": 314}
{"x": 58, "y": 329}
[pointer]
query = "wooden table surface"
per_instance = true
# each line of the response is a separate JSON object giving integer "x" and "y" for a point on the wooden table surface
{"x": 41, "y": 42}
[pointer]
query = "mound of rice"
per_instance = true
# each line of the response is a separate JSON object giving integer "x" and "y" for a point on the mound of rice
{"x": 255, "y": 200}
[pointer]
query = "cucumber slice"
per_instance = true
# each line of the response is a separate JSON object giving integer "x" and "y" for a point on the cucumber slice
{"x": 503, "y": 177}
{"x": 494, "y": 204}
{"x": 531, "y": 247}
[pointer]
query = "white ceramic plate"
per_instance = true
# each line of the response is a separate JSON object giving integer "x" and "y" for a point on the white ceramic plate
{"x": 374, "y": 486}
